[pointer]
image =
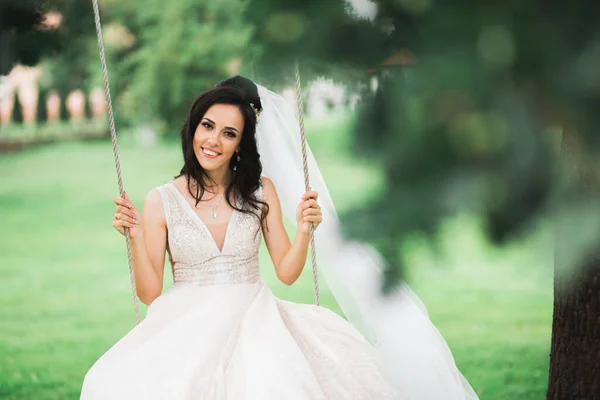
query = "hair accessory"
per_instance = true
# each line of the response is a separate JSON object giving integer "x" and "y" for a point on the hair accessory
{"x": 256, "y": 110}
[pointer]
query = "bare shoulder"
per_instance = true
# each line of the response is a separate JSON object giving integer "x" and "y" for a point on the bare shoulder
{"x": 153, "y": 205}
{"x": 268, "y": 189}
{"x": 180, "y": 183}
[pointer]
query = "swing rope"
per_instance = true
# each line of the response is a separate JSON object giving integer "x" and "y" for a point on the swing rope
{"x": 113, "y": 136}
{"x": 306, "y": 178}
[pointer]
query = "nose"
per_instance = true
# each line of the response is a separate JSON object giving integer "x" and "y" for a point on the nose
{"x": 213, "y": 138}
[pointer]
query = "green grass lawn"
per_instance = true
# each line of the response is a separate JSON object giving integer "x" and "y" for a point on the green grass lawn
{"x": 65, "y": 292}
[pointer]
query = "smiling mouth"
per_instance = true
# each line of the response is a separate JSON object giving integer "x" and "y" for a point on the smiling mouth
{"x": 210, "y": 153}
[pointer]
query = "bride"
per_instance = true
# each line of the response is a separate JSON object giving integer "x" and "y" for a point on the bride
{"x": 219, "y": 332}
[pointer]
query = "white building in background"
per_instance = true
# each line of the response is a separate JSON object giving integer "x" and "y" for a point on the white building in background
{"x": 363, "y": 8}
{"x": 322, "y": 97}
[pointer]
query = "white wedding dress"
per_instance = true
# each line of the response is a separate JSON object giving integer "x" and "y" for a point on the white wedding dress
{"x": 220, "y": 334}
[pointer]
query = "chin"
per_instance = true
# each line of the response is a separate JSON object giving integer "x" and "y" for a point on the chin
{"x": 209, "y": 166}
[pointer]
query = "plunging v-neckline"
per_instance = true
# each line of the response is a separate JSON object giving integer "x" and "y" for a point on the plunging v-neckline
{"x": 202, "y": 224}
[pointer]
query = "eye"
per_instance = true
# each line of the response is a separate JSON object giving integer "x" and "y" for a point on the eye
{"x": 230, "y": 134}
{"x": 207, "y": 125}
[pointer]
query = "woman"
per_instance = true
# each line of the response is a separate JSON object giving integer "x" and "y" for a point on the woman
{"x": 220, "y": 333}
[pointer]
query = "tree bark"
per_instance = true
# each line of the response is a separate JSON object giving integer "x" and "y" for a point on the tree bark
{"x": 575, "y": 351}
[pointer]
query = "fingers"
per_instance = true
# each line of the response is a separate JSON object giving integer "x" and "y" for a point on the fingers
{"x": 120, "y": 216}
{"x": 125, "y": 210}
{"x": 313, "y": 218}
{"x": 310, "y": 203}
{"x": 119, "y": 224}
{"x": 123, "y": 202}
{"x": 129, "y": 212}
{"x": 125, "y": 214}
{"x": 311, "y": 194}
{"x": 311, "y": 211}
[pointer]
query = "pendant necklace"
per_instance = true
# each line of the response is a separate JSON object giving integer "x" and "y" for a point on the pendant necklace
{"x": 214, "y": 209}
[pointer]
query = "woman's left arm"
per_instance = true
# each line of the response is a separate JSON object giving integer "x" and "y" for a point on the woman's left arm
{"x": 289, "y": 258}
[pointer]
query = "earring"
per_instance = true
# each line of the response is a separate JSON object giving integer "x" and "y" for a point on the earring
{"x": 237, "y": 161}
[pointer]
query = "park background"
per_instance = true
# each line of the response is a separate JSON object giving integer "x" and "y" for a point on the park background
{"x": 65, "y": 295}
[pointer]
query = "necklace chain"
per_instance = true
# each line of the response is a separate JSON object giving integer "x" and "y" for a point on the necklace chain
{"x": 215, "y": 212}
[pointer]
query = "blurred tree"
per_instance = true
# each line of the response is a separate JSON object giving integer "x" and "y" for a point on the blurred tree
{"x": 575, "y": 353}
{"x": 174, "y": 61}
{"x": 471, "y": 128}
{"x": 77, "y": 65}
{"x": 325, "y": 37}
{"x": 147, "y": 45}
{"x": 25, "y": 37}
{"x": 74, "y": 65}
{"x": 473, "y": 135}
{"x": 59, "y": 32}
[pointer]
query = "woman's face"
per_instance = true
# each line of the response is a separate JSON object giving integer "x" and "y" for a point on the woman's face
{"x": 218, "y": 136}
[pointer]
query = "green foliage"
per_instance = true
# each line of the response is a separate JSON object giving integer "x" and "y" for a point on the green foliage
{"x": 72, "y": 66}
{"x": 183, "y": 49}
{"x": 159, "y": 56}
{"x": 21, "y": 39}
{"x": 467, "y": 126}
{"x": 322, "y": 36}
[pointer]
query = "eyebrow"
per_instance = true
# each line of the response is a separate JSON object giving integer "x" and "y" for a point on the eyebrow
{"x": 227, "y": 127}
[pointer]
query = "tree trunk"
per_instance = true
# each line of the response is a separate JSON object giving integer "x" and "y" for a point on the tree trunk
{"x": 575, "y": 352}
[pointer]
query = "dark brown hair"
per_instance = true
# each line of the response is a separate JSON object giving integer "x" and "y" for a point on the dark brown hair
{"x": 246, "y": 178}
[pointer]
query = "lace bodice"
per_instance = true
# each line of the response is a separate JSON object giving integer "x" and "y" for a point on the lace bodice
{"x": 195, "y": 257}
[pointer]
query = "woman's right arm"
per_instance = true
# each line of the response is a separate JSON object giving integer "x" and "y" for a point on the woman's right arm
{"x": 148, "y": 242}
